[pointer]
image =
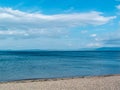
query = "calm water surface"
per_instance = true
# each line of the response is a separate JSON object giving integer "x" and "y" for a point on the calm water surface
{"x": 16, "y": 65}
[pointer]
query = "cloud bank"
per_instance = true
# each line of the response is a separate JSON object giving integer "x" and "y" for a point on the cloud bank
{"x": 118, "y": 7}
{"x": 19, "y": 24}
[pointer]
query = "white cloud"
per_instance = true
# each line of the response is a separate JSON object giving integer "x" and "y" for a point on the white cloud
{"x": 118, "y": 7}
{"x": 94, "y": 45}
{"x": 93, "y": 35}
{"x": 16, "y": 23}
{"x": 97, "y": 39}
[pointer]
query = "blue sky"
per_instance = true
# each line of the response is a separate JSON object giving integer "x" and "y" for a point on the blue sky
{"x": 59, "y": 24}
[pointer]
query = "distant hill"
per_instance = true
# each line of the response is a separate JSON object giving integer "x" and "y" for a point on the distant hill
{"x": 108, "y": 49}
{"x": 82, "y": 49}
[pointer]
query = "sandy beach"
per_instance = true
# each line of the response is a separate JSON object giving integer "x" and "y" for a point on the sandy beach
{"x": 86, "y": 83}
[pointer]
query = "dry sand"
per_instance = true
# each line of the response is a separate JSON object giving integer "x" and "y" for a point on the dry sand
{"x": 87, "y": 83}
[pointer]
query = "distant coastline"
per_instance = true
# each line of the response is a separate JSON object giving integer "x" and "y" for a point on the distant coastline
{"x": 83, "y": 49}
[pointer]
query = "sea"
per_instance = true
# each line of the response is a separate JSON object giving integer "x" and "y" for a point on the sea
{"x": 23, "y": 65}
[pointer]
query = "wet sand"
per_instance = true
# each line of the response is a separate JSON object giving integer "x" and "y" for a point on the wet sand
{"x": 85, "y": 83}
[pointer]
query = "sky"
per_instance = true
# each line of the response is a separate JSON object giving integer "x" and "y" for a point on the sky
{"x": 59, "y": 24}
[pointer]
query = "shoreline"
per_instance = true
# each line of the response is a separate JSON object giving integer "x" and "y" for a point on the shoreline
{"x": 55, "y": 79}
{"x": 106, "y": 82}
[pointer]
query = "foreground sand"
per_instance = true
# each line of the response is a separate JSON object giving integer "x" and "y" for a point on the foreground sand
{"x": 87, "y": 83}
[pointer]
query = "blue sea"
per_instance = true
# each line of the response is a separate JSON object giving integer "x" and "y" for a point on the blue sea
{"x": 18, "y": 65}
